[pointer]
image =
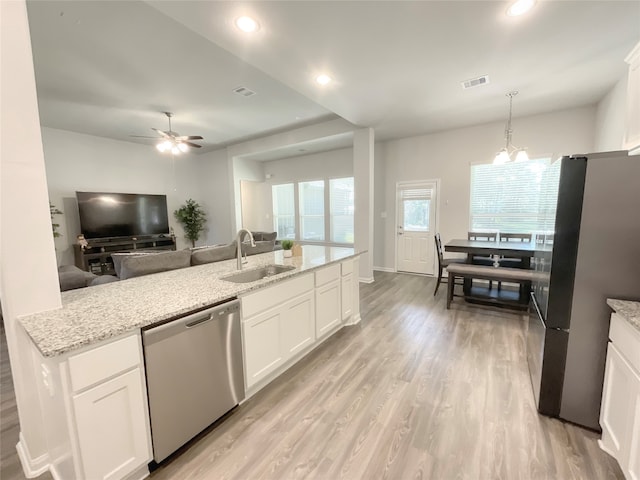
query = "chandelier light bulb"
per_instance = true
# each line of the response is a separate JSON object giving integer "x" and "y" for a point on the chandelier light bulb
{"x": 522, "y": 156}
{"x": 502, "y": 157}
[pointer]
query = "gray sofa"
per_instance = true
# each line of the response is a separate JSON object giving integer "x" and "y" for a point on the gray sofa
{"x": 135, "y": 264}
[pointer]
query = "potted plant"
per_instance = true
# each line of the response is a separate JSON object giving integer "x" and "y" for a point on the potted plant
{"x": 192, "y": 218}
{"x": 54, "y": 211}
{"x": 286, "y": 247}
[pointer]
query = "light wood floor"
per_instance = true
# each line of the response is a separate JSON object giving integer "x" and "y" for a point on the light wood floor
{"x": 413, "y": 392}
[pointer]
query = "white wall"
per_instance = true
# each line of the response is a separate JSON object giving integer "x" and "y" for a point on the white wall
{"x": 315, "y": 166}
{"x": 216, "y": 193}
{"x": 78, "y": 162}
{"x": 448, "y": 155}
{"x": 611, "y": 118}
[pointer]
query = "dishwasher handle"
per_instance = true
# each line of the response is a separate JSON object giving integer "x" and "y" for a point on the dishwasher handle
{"x": 189, "y": 321}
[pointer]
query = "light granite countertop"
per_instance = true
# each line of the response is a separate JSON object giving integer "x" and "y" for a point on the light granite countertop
{"x": 92, "y": 314}
{"x": 627, "y": 309}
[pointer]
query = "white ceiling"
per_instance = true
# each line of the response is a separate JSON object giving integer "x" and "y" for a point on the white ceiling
{"x": 110, "y": 68}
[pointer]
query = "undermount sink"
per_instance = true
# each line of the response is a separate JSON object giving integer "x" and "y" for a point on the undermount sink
{"x": 257, "y": 274}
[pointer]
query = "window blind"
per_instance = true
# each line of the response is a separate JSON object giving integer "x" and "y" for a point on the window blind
{"x": 311, "y": 205}
{"x": 514, "y": 197}
{"x": 284, "y": 210}
{"x": 341, "y": 195}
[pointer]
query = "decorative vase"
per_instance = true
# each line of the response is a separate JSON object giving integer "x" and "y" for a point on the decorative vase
{"x": 287, "y": 253}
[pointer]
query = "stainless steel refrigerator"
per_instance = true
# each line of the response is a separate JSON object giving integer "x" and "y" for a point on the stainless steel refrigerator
{"x": 595, "y": 256}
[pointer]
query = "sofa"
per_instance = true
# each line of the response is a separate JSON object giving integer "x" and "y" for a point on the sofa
{"x": 138, "y": 263}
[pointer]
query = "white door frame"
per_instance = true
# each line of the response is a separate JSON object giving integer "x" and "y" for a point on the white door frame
{"x": 416, "y": 183}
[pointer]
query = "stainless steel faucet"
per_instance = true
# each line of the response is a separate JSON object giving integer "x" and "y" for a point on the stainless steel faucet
{"x": 241, "y": 233}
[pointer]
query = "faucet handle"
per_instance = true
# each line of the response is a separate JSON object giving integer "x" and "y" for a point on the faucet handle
{"x": 244, "y": 260}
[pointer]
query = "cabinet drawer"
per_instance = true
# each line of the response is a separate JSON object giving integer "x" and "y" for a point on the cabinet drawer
{"x": 271, "y": 296}
{"x": 327, "y": 274}
{"x": 626, "y": 339}
{"x": 98, "y": 364}
{"x": 347, "y": 267}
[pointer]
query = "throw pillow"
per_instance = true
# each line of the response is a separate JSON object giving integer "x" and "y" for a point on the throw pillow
{"x": 138, "y": 265}
{"x": 213, "y": 254}
{"x": 118, "y": 257}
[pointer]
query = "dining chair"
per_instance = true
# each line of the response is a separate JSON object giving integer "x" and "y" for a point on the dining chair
{"x": 513, "y": 237}
{"x": 443, "y": 262}
{"x": 481, "y": 259}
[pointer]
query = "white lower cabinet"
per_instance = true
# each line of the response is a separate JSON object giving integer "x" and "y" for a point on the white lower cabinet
{"x": 347, "y": 296}
{"x": 277, "y": 334}
{"x": 263, "y": 349}
{"x": 620, "y": 410}
{"x": 110, "y": 422}
{"x": 328, "y": 308}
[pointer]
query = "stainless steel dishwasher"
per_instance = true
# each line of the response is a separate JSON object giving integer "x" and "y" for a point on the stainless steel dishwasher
{"x": 194, "y": 374}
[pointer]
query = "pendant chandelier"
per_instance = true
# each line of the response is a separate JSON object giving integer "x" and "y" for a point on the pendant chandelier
{"x": 510, "y": 153}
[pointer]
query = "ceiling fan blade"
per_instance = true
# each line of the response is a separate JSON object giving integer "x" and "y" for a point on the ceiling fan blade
{"x": 164, "y": 134}
{"x": 192, "y": 144}
{"x": 190, "y": 137}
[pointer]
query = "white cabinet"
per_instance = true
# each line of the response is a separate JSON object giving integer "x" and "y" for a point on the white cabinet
{"x": 298, "y": 324}
{"x": 347, "y": 296}
{"x": 278, "y": 323}
{"x": 328, "y": 304}
{"x": 110, "y": 422}
{"x": 262, "y": 345}
{"x": 632, "y": 137}
{"x": 328, "y": 308}
{"x": 620, "y": 410}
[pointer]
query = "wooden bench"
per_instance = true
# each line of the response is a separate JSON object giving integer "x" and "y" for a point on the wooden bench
{"x": 481, "y": 272}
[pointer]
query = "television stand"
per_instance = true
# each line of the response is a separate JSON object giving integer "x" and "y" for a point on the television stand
{"x": 96, "y": 256}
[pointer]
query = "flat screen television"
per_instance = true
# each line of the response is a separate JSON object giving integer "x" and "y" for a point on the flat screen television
{"x": 104, "y": 215}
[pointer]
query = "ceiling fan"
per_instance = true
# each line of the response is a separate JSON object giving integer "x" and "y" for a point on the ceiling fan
{"x": 170, "y": 141}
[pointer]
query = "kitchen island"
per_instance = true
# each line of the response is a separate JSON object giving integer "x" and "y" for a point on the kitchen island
{"x": 89, "y": 357}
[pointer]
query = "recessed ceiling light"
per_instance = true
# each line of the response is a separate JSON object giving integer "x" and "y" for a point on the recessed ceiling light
{"x": 520, "y": 7}
{"x": 247, "y": 24}
{"x": 323, "y": 79}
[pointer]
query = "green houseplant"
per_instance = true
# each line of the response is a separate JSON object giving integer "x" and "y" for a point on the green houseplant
{"x": 54, "y": 211}
{"x": 286, "y": 246}
{"x": 192, "y": 218}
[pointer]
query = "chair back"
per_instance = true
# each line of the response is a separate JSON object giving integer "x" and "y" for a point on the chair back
{"x": 482, "y": 236}
{"x": 515, "y": 237}
{"x": 439, "y": 249}
{"x": 544, "y": 238}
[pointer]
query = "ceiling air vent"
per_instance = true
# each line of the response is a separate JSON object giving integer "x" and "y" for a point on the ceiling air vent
{"x": 245, "y": 92}
{"x": 475, "y": 82}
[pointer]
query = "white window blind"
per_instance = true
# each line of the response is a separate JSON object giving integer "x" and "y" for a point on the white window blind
{"x": 341, "y": 195}
{"x": 311, "y": 205}
{"x": 416, "y": 205}
{"x": 514, "y": 197}
{"x": 284, "y": 210}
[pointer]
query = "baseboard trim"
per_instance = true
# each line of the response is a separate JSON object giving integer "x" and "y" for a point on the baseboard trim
{"x": 384, "y": 269}
{"x": 32, "y": 467}
{"x": 366, "y": 280}
{"x": 354, "y": 320}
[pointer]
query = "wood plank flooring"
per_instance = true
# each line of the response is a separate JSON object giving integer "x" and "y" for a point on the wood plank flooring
{"x": 412, "y": 392}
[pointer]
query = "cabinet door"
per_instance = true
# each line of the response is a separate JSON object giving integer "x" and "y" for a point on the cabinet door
{"x": 298, "y": 325}
{"x": 617, "y": 406}
{"x": 328, "y": 308}
{"x": 633, "y": 470}
{"x": 263, "y": 351}
{"x": 112, "y": 427}
{"x": 347, "y": 296}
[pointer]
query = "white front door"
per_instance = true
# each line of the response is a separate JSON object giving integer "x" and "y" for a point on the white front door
{"x": 416, "y": 226}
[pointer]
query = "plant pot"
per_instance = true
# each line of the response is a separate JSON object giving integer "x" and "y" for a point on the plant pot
{"x": 287, "y": 253}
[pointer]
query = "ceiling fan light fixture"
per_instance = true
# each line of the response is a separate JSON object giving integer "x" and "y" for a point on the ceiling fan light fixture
{"x": 247, "y": 24}
{"x": 183, "y": 147}
{"x": 323, "y": 79}
{"x": 520, "y": 7}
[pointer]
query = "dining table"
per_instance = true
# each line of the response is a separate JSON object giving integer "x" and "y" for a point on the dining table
{"x": 498, "y": 250}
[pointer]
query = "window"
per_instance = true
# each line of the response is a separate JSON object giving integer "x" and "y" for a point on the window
{"x": 341, "y": 200}
{"x": 284, "y": 210}
{"x": 315, "y": 211}
{"x": 514, "y": 197}
{"x": 311, "y": 205}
